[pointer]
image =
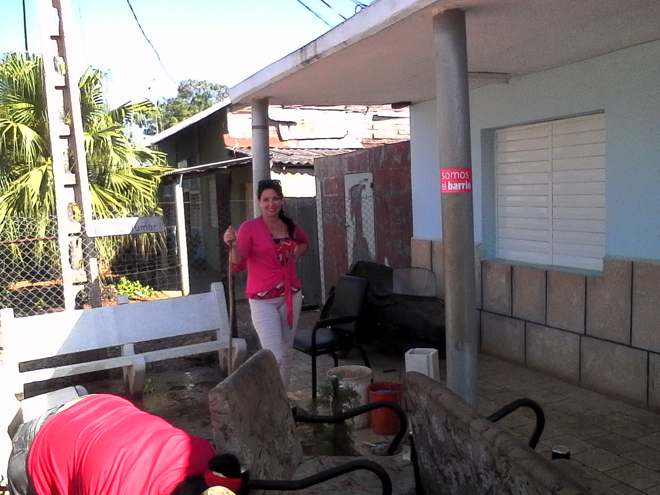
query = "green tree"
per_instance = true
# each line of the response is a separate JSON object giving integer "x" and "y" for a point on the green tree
{"x": 123, "y": 175}
{"x": 192, "y": 97}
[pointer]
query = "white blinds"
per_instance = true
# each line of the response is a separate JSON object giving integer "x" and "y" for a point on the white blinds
{"x": 550, "y": 192}
{"x": 524, "y": 203}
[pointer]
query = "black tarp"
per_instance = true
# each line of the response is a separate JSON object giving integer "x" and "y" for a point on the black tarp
{"x": 402, "y": 321}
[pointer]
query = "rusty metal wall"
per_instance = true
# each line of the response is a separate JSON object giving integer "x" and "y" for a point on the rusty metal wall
{"x": 392, "y": 198}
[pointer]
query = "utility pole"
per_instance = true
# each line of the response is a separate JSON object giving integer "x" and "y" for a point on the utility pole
{"x": 260, "y": 147}
{"x": 72, "y": 194}
{"x": 453, "y": 117}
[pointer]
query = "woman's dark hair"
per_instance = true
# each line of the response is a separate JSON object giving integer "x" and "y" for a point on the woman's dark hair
{"x": 192, "y": 485}
{"x": 276, "y": 186}
{"x": 226, "y": 464}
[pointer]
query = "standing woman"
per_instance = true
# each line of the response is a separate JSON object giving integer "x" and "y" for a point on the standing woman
{"x": 269, "y": 246}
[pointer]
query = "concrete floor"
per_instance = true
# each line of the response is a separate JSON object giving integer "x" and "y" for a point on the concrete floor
{"x": 616, "y": 442}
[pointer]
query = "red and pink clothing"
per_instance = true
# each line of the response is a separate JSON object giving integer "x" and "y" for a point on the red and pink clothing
{"x": 259, "y": 253}
{"x": 273, "y": 287}
{"x": 105, "y": 445}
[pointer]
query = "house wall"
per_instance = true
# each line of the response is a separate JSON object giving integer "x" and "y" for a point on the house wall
{"x": 624, "y": 84}
{"x": 198, "y": 144}
{"x": 597, "y": 329}
{"x": 210, "y": 148}
{"x": 390, "y": 166}
{"x": 179, "y": 148}
{"x": 241, "y": 195}
{"x": 209, "y": 136}
{"x": 210, "y": 222}
{"x": 425, "y": 171}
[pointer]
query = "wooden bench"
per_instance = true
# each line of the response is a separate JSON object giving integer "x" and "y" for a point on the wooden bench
{"x": 460, "y": 452}
{"x": 50, "y": 335}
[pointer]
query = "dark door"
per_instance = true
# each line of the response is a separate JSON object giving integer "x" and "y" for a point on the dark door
{"x": 303, "y": 212}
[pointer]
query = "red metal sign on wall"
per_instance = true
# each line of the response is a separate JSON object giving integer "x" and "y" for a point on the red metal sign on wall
{"x": 455, "y": 180}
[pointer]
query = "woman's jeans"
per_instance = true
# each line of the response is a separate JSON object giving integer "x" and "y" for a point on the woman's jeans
{"x": 270, "y": 322}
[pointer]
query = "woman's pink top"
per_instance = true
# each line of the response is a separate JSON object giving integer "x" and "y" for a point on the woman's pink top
{"x": 259, "y": 253}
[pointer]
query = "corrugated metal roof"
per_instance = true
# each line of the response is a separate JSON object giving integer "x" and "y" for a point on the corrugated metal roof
{"x": 297, "y": 156}
{"x": 303, "y": 156}
{"x": 207, "y": 167}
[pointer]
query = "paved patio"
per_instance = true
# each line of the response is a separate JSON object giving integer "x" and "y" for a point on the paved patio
{"x": 616, "y": 442}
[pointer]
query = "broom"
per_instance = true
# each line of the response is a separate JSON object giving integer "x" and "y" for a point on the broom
{"x": 232, "y": 312}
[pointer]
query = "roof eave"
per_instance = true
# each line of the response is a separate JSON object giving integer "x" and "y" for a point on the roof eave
{"x": 198, "y": 117}
{"x": 372, "y": 19}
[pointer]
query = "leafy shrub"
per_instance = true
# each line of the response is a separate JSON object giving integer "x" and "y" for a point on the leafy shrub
{"x": 133, "y": 289}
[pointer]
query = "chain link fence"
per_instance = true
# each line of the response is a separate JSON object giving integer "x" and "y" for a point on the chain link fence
{"x": 142, "y": 266}
{"x": 360, "y": 218}
{"x": 30, "y": 274}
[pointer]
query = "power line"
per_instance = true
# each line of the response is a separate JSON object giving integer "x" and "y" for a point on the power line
{"x": 333, "y": 9}
{"x": 25, "y": 28}
{"x": 313, "y": 12}
{"x": 167, "y": 73}
{"x": 359, "y": 5}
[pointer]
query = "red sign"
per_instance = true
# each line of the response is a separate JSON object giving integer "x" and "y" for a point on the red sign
{"x": 455, "y": 180}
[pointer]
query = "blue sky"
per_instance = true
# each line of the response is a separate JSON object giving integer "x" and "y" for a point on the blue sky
{"x": 223, "y": 41}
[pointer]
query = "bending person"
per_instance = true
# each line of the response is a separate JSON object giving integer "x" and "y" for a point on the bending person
{"x": 269, "y": 246}
{"x": 103, "y": 444}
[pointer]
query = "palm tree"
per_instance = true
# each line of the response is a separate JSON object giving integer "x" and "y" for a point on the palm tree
{"x": 123, "y": 176}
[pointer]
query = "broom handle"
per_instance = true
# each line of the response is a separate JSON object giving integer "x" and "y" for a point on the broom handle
{"x": 232, "y": 311}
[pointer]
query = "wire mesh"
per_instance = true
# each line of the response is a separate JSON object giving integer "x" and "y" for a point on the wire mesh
{"x": 360, "y": 218}
{"x": 144, "y": 266}
{"x": 30, "y": 275}
{"x": 141, "y": 266}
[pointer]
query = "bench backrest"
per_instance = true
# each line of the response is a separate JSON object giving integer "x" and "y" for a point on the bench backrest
{"x": 53, "y": 334}
{"x": 251, "y": 418}
{"x": 460, "y": 452}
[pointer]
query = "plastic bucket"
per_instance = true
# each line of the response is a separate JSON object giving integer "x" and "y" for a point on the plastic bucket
{"x": 423, "y": 360}
{"x": 385, "y": 421}
{"x": 356, "y": 379}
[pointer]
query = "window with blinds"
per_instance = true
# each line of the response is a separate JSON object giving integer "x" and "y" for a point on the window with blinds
{"x": 550, "y": 192}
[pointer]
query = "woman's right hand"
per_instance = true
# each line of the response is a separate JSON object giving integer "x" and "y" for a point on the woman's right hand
{"x": 230, "y": 237}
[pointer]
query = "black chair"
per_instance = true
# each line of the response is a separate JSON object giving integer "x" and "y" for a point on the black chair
{"x": 335, "y": 330}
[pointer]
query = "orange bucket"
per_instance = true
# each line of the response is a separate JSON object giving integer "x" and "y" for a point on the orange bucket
{"x": 384, "y": 421}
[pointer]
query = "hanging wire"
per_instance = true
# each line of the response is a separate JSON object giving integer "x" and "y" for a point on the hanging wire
{"x": 333, "y": 9}
{"x": 160, "y": 61}
{"x": 359, "y": 5}
{"x": 313, "y": 12}
{"x": 25, "y": 36}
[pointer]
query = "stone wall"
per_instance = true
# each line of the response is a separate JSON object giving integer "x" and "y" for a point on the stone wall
{"x": 462, "y": 453}
{"x": 251, "y": 418}
{"x": 601, "y": 331}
